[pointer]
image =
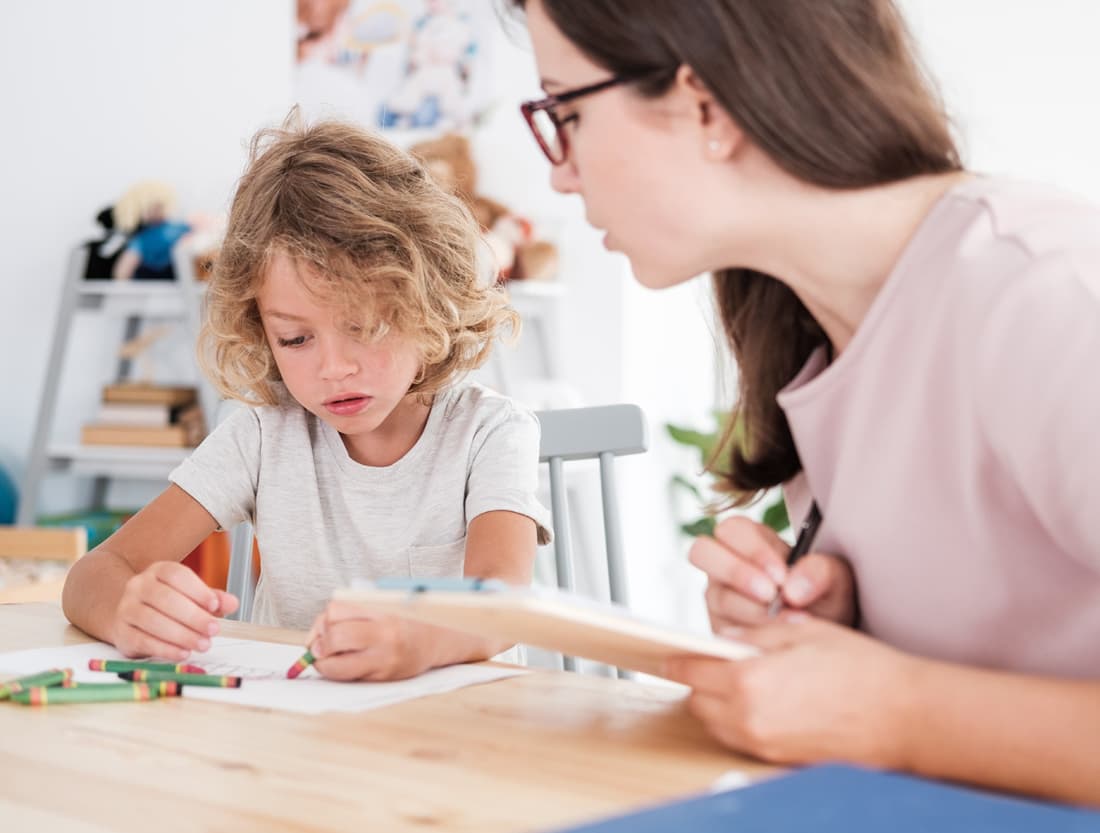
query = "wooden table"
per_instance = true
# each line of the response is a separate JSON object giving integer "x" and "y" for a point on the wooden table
{"x": 533, "y": 752}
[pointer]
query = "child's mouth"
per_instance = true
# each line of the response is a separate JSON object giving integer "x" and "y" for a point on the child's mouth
{"x": 346, "y": 406}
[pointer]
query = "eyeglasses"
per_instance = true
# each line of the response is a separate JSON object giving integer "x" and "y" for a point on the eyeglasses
{"x": 549, "y": 127}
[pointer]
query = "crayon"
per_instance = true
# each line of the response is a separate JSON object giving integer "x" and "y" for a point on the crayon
{"x": 55, "y": 676}
{"x": 86, "y": 693}
{"x": 164, "y": 688}
{"x": 301, "y": 664}
{"x": 211, "y": 680}
{"x": 115, "y": 665}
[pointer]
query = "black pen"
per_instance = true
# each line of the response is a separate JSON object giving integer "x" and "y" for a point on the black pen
{"x": 801, "y": 546}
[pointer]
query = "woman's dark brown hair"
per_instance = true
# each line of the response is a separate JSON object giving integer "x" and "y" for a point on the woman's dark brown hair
{"x": 832, "y": 91}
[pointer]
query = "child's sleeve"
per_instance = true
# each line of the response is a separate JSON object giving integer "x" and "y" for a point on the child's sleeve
{"x": 223, "y": 472}
{"x": 1039, "y": 397}
{"x": 503, "y": 472}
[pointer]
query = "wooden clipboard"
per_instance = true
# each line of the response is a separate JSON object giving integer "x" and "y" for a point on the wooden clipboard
{"x": 549, "y": 619}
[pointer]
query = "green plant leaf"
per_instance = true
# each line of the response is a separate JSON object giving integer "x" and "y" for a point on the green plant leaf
{"x": 683, "y": 482}
{"x": 702, "y": 526}
{"x": 704, "y": 442}
{"x": 776, "y": 516}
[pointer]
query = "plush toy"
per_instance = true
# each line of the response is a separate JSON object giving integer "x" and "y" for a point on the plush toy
{"x": 518, "y": 252}
{"x": 143, "y": 213}
{"x": 103, "y": 253}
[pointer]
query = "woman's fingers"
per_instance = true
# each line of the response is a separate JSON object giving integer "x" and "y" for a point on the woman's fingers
{"x": 728, "y": 567}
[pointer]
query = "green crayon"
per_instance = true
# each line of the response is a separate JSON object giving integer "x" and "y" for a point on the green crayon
{"x": 55, "y": 676}
{"x": 86, "y": 693}
{"x": 164, "y": 688}
{"x": 211, "y": 680}
{"x": 116, "y": 665}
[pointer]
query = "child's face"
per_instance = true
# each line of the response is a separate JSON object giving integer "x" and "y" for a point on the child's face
{"x": 355, "y": 387}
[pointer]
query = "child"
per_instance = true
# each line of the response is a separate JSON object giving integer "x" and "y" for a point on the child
{"x": 916, "y": 351}
{"x": 344, "y": 307}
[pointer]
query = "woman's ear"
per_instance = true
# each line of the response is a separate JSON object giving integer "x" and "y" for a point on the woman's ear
{"x": 719, "y": 134}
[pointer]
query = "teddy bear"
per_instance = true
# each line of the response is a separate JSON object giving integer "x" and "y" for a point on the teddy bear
{"x": 520, "y": 255}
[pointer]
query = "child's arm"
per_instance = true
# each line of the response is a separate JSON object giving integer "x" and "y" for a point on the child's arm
{"x": 821, "y": 692}
{"x": 132, "y": 591}
{"x": 351, "y": 644}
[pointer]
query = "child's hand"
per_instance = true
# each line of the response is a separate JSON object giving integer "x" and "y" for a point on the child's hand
{"x": 167, "y": 611}
{"x": 746, "y": 563}
{"x": 350, "y": 643}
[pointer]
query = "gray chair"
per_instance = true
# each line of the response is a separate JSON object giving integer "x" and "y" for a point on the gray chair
{"x": 596, "y": 433}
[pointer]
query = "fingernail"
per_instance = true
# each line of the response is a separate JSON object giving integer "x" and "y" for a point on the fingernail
{"x": 777, "y": 572}
{"x": 763, "y": 589}
{"x": 212, "y": 628}
{"x": 204, "y": 644}
{"x": 732, "y": 632}
{"x": 797, "y": 589}
{"x": 212, "y": 605}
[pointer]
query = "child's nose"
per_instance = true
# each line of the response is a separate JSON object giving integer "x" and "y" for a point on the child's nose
{"x": 337, "y": 362}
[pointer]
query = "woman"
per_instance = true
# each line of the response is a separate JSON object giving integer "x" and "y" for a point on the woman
{"x": 915, "y": 347}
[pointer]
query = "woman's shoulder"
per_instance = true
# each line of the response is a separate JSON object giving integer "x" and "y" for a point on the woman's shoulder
{"x": 1041, "y": 221}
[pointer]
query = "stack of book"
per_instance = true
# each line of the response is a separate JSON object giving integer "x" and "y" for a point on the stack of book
{"x": 144, "y": 414}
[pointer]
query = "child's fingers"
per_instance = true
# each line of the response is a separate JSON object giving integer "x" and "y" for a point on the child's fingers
{"x": 350, "y": 665}
{"x": 186, "y": 581}
{"x": 227, "y": 603}
{"x": 181, "y": 611}
{"x": 163, "y": 627}
{"x": 350, "y": 636}
{"x": 135, "y": 641}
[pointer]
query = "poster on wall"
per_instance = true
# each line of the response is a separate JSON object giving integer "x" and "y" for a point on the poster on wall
{"x": 413, "y": 66}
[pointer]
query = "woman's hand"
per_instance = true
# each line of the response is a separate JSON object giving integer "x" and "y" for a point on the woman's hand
{"x": 167, "y": 611}
{"x": 817, "y": 692}
{"x": 745, "y": 563}
{"x": 350, "y": 643}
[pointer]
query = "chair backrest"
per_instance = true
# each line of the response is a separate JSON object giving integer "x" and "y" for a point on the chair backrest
{"x": 596, "y": 433}
{"x": 600, "y": 433}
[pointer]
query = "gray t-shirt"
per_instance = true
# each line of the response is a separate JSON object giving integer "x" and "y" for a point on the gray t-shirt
{"x": 322, "y": 519}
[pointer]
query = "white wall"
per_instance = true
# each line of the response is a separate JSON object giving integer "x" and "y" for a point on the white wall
{"x": 96, "y": 96}
{"x": 1020, "y": 81}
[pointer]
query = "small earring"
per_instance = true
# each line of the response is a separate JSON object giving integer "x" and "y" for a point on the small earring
{"x": 714, "y": 146}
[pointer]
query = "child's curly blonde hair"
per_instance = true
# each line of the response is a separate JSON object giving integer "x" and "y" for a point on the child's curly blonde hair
{"x": 380, "y": 241}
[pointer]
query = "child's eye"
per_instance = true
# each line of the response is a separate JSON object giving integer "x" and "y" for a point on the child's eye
{"x": 292, "y": 342}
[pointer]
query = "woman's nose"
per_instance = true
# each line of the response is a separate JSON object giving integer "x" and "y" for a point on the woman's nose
{"x": 564, "y": 179}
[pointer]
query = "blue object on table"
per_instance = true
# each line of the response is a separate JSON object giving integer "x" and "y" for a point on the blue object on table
{"x": 9, "y": 498}
{"x": 839, "y": 798}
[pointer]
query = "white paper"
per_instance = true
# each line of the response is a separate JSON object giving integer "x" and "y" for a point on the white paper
{"x": 263, "y": 666}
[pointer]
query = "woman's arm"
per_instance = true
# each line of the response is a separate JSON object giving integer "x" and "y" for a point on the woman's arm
{"x": 132, "y": 591}
{"x": 822, "y": 692}
{"x": 1033, "y": 735}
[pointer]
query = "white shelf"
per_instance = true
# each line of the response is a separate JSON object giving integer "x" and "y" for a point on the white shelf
{"x": 142, "y": 462}
{"x": 129, "y": 289}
